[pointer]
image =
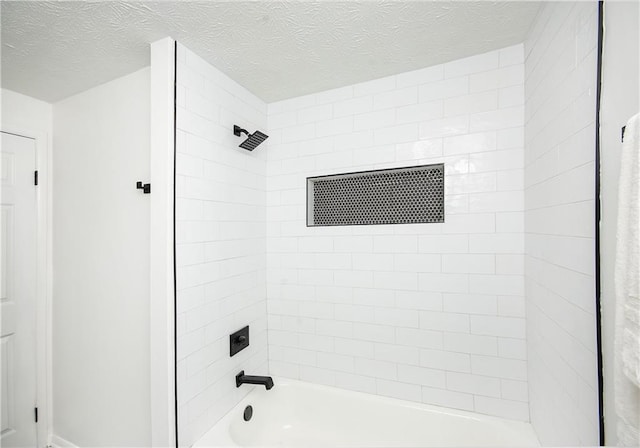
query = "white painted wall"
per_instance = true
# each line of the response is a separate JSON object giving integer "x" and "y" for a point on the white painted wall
{"x": 101, "y": 265}
{"x": 431, "y": 313}
{"x": 560, "y": 68}
{"x": 23, "y": 111}
{"x": 620, "y": 100}
{"x": 221, "y": 256}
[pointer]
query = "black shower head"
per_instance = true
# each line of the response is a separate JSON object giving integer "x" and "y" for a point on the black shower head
{"x": 252, "y": 141}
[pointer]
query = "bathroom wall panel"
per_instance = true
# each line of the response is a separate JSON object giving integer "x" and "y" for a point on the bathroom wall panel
{"x": 100, "y": 305}
{"x": 221, "y": 248}
{"x": 560, "y": 70}
{"x": 431, "y": 313}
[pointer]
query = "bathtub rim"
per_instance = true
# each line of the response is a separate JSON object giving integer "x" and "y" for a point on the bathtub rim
{"x": 221, "y": 434}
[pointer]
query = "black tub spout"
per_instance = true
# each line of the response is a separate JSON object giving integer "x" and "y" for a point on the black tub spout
{"x": 265, "y": 381}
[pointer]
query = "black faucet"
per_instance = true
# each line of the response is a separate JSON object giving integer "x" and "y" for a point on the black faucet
{"x": 265, "y": 381}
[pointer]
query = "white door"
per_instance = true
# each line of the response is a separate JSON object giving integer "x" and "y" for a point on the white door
{"x": 18, "y": 292}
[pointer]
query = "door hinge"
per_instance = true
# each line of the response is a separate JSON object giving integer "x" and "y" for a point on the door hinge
{"x": 36, "y": 413}
{"x": 35, "y": 177}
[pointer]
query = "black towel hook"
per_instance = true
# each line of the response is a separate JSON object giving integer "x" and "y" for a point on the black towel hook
{"x": 146, "y": 188}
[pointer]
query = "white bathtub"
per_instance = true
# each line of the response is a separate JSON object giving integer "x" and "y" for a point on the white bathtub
{"x": 296, "y": 414}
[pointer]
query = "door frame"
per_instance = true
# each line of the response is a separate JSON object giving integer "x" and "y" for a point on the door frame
{"x": 44, "y": 275}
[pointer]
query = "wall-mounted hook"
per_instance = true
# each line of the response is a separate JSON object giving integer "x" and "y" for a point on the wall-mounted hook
{"x": 146, "y": 188}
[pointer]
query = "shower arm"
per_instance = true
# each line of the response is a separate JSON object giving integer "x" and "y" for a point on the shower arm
{"x": 237, "y": 130}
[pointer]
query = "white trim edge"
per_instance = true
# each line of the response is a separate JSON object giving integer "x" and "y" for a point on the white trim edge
{"x": 162, "y": 387}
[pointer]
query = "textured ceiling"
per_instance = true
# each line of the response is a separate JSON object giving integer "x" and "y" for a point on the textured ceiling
{"x": 277, "y": 50}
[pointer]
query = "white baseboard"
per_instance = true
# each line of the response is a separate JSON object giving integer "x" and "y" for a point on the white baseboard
{"x": 59, "y": 442}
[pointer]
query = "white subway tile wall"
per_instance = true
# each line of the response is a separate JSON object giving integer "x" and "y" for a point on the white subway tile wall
{"x": 221, "y": 246}
{"x": 431, "y": 313}
{"x": 559, "y": 221}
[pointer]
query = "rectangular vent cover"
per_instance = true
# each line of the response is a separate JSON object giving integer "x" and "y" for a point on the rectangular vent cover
{"x": 408, "y": 195}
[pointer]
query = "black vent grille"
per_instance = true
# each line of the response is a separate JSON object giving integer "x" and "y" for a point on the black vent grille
{"x": 409, "y": 195}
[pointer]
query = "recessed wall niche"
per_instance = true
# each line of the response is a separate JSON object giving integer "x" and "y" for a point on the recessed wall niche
{"x": 408, "y": 195}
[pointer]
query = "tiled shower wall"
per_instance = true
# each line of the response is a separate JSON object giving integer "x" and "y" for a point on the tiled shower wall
{"x": 431, "y": 313}
{"x": 220, "y": 227}
{"x": 559, "y": 199}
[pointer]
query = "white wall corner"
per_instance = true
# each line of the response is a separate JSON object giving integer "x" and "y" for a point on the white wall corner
{"x": 59, "y": 442}
{"x": 161, "y": 244}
